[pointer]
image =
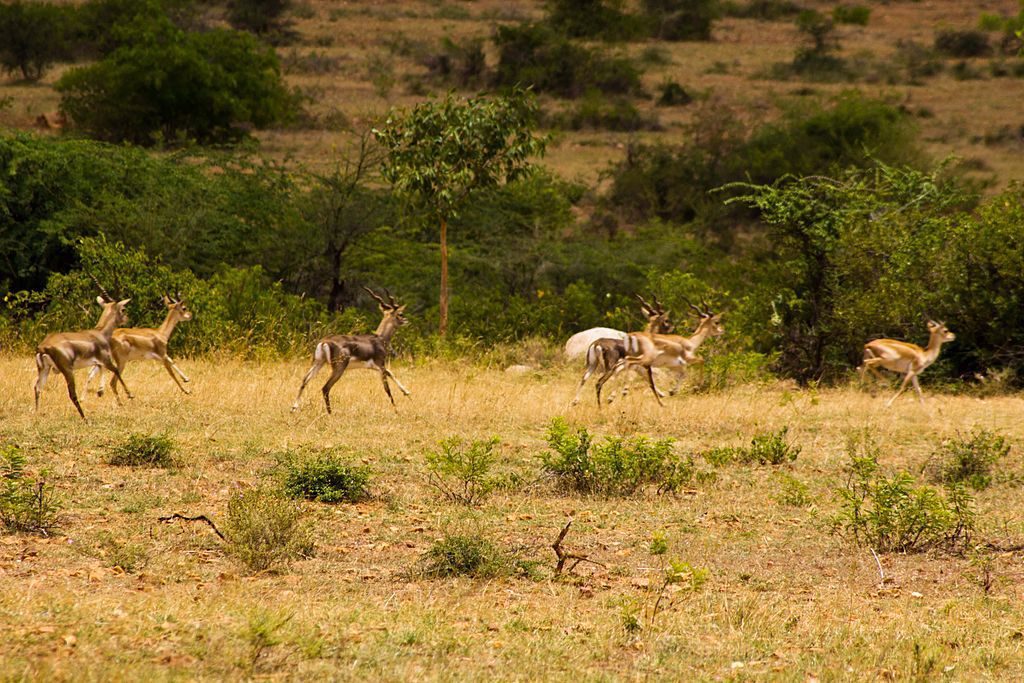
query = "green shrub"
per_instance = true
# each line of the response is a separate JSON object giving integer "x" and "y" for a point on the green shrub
{"x": 596, "y": 19}
{"x": 536, "y": 56}
{"x": 851, "y": 14}
{"x": 33, "y": 36}
{"x": 671, "y": 94}
{"x": 916, "y": 60}
{"x": 596, "y": 112}
{"x": 770, "y": 448}
{"x": 891, "y": 514}
{"x": 461, "y": 64}
{"x": 470, "y": 555}
{"x": 791, "y": 491}
{"x": 962, "y": 44}
{"x": 26, "y": 505}
{"x": 325, "y": 478}
{"x": 265, "y": 531}
{"x": 262, "y": 17}
{"x": 971, "y": 460}
{"x": 766, "y": 448}
{"x": 461, "y": 471}
{"x": 678, "y": 20}
{"x": 173, "y": 86}
{"x": 614, "y": 467}
{"x": 142, "y": 450}
{"x": 765, "y": 10}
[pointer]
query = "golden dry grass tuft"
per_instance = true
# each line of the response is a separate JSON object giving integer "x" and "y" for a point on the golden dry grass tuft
{"x": 783, "y": 599}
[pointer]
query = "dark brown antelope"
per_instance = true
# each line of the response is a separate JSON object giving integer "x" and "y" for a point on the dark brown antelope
{"x": 369, "y": 349}
{"x": 608, "y": 351}
{"x": 670, "y": 351}
{"x": 145, "y": 343}
{"x": 67, "y": 351}
{"x": 904, "y": 357}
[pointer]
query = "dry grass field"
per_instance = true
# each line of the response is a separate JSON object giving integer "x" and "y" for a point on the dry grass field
{"x": 784, "y": 599}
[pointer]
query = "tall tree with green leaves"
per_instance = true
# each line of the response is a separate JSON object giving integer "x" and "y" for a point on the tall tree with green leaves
{"x": 442, "y": 151}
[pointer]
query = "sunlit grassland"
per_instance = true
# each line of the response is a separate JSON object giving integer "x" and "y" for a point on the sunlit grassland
{"x": 784, "y": 599}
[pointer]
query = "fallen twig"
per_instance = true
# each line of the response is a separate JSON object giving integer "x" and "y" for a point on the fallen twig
{"x": 564, "y": 556}
{"x": 197, "y": 518}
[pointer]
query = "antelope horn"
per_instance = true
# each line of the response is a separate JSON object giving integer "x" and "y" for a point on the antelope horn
{"x": 103, "y": 291}
{"x": 177, "y": 296}
{"x": 657, "y": 305}
{"x": 706, "y": 305}
{"x": 376, "y": 296}
{"x": 394, "y": 304}
{"x": 688, "y": 303}
{"x": 646, "y": 306}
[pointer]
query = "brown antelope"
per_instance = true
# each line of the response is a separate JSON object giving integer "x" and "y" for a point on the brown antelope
{"x": 145, "y": 343}
{"x": 369, "y": 349}
{"x": 607, "y": 351}
{"x": 67, "y": 351}
{"x": 670, "y": 351}
{"x": 904, "y": 357}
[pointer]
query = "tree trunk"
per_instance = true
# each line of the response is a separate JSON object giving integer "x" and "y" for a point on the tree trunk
{"x": 443, "y": 326}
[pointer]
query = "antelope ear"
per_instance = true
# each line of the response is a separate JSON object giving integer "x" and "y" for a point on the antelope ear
{"x": 123, "y": 302}
{"x": 100, "y": 301}
{"x": 167, "y": 301}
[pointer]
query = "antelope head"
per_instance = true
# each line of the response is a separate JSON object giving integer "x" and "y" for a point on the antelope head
{"x": 118, "y": 310}
{"x": 657, "y": 316}
{"x": 940, "y": 331}
{"x": 710, "y": 323}
{"x": 176, "y": 308}
{"x": 392, "y": 311}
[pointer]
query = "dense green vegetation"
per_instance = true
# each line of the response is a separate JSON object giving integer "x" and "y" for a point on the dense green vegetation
{"x": 814, "y": 230}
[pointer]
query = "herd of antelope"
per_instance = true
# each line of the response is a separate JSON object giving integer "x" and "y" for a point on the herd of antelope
{"x": 110, "y": 346}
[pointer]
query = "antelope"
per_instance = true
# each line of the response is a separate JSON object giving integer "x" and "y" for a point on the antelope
{"x": 670, "y": 351}
{"x": 371, "y": 349}
{"x": 609, "y": 350}
{"x": 67, "y": 351}
{"x": 904, "y": 357}
{"x": 142, "y": 343}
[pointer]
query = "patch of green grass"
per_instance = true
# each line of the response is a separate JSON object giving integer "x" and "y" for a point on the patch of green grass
{"x": 266, "y": 531}
{"x": 143, "y": 450}
{"x": 326, "y": 478}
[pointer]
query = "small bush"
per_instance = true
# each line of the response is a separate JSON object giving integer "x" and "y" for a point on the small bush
{"x": 595, "y": 112}
{"x": 534, "y": 55}
{"x": 678, "y": 20}
{"x": 614, "y": 467}
{"x": 26, "y": 505}
{"x": 33, "y": 36}
{"x": 792, "y": 492}
{"x": 770, "y": 448}
{"x": 962, "y": 43}
{"x": 326, "y": 479}
{"x": 765, "y": 10}
{"x": 462, "y": 472}
{"x": 916, "y": 60}
{"x": 766, "y": 448}
{"x": 126, "y": 556}
{"x": 671, "y": 94}
{"x": 469, "y": 555}
{"x": 141, "y": 450}
{"x": 178, "y": 86}
{"x": 265, "y": 531}
{"x": 851, "y": 14}
{"x": 970, "y": 460}
{"x": 262, "y": 17}
{"x": 890, "y": 514}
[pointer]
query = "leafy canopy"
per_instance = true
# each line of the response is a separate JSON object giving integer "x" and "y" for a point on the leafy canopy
{"x": 440, "y": 151}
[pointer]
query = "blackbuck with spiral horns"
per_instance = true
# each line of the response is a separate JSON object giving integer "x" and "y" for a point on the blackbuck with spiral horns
{"x": 67, "y": 351}
{"x": 608, "y": 351}
{"x": 671, "y": 351}
{"x": 904, "y": 357}
{"x": 370, "y": 351}
{"x": 145, "y": 343}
